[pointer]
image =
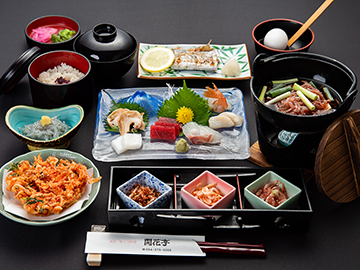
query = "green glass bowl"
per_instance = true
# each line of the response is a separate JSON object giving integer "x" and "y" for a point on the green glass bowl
{"x": 19, "y": 116}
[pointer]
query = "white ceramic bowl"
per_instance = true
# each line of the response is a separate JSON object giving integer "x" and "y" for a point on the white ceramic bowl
{"x": 293, "y": 192}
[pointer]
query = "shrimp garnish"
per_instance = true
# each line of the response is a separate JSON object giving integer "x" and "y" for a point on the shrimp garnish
{"x": 273, "y": 192}
{"x": 217, "y": 101}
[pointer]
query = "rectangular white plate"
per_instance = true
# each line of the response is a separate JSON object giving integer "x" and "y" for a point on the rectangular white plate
{"x": 224, "y": 52}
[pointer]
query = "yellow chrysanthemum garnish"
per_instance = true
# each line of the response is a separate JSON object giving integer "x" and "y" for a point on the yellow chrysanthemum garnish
{"x": 184, "y": 115}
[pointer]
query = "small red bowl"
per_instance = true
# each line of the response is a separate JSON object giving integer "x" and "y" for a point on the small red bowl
{"x": 50, "y": 96}
{"x": 290, "y": 27}
{"x": 55, "y": 21}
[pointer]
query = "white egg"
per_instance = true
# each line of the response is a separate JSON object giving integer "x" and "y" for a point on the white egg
{"x": 276, "y": 38}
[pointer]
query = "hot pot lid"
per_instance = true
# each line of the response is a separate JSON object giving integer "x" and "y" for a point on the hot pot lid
{"x": 337, "y": 164}
{"x": 18, "y": 70}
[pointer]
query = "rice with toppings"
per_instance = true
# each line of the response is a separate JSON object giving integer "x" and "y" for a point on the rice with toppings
{"x": 51, "y": 131}
{"x": 69, "y": 73}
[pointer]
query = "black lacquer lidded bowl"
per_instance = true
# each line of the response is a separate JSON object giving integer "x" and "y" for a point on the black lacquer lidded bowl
{"x": 111, "y": 51}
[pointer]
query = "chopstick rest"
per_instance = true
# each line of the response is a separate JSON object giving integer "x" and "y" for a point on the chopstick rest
{"x": 94, "y": 259}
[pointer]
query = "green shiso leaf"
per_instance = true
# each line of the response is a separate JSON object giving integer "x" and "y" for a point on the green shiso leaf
{"x": 190, "y": 99}
{"x": 126, "y": 105}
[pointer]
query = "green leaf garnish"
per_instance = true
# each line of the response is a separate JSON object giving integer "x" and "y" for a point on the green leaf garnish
{"x": 190, "y": 99}
{"x": 14, "y": 166}
{"x": 126, "y": 105}
{"x": 30, "y": 200}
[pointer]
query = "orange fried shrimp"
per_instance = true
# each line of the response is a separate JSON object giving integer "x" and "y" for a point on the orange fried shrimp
{"x": 143, "y": 195}
{"x": 217, "y": 101}
{"x": 48, "y": 186}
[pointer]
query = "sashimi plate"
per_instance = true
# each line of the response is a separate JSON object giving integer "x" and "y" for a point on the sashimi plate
{"x": 224, "y": 53}
{"x": 235, "y": 142}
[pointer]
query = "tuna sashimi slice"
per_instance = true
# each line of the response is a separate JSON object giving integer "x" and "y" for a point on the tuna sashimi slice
{"x": 162, "y": 132}
{"x": 168, "y": 124}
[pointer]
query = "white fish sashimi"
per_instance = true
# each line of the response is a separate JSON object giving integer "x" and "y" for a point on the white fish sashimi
{"x": 225, "y": 120}
{"x": 199, "y": 134}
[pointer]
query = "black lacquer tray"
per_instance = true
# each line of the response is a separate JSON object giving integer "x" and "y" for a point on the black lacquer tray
{"x": 177, "y": 218}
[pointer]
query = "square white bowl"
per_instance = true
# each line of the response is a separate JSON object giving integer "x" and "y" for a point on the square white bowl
{"x": 145, "y": 179}
{"x": 204, "y": 179}
{"x": 292, "y": 191}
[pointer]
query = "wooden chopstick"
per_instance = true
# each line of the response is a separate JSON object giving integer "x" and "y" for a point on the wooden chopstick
{"x": 233, "y": 248}
{"x": 174, "y": 191}
{"x": 310, "y": 21}
{"x": 238, "y": 186}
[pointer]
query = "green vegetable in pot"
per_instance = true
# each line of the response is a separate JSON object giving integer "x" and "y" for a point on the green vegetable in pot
{"x": 273, "y": 93}
{"x": 328, "y": 94}
{"x": 262, "y": 94}
{"x": 293, "y": 80}
{"x": 306, "y": 92}
{"x": 278, "y": 98}
{"x": 305, "y": 100}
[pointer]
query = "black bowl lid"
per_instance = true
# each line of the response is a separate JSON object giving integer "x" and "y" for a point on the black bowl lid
{"x": 105, "y": 43}
{"x": 17, "y": 70}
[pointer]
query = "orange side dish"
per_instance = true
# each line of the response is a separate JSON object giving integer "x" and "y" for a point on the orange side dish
{"x": 143, "y": 195}
{"x": 48, "y": 186}
{"x": 209, "y": 194}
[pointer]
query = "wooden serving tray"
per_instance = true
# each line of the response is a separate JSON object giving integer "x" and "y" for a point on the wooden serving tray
{"x": 337, "y": 164}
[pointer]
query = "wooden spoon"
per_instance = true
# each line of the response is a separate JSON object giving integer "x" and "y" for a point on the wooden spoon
{"x": 310, "y": 21}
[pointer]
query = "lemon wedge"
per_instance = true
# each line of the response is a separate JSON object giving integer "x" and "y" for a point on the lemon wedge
{"x": 157, "y": 59}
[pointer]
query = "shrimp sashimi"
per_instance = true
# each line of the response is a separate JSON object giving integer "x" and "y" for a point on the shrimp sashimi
{"x": 273, "y": 192}
{"x": 199, "y": 134}
{"x": 216, "y": 99}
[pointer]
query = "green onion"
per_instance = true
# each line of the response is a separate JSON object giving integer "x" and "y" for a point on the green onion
{"x": 305, "y": 100}
{"x": 328, "y": 94}
{"x": 278, "y": 86}
{"x": 306, "y": 92}
{"x": 294, "y": 80}
{"x": 278, "y": 98}
{"x": 273, "y": 93}
{"x": 313, "y": 84}
{"x": 262, "y": 94}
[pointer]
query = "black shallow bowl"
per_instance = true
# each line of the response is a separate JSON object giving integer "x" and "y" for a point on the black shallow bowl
{"x": 49, "y": 96}
{"x": 303, "y": 65}
{"x": 111, "y": 51}
{"x": 290, "y": 27}
{"x": 56, "y": 21}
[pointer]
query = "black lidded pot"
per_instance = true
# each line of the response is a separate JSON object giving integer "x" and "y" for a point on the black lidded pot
{"x": 308, "y": 130}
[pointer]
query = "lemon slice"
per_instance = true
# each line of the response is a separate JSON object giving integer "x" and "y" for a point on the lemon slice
{"x": 157, "y": 59}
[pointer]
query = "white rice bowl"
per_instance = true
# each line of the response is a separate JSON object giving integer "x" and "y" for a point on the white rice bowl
{"x": 63, "y": 70}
